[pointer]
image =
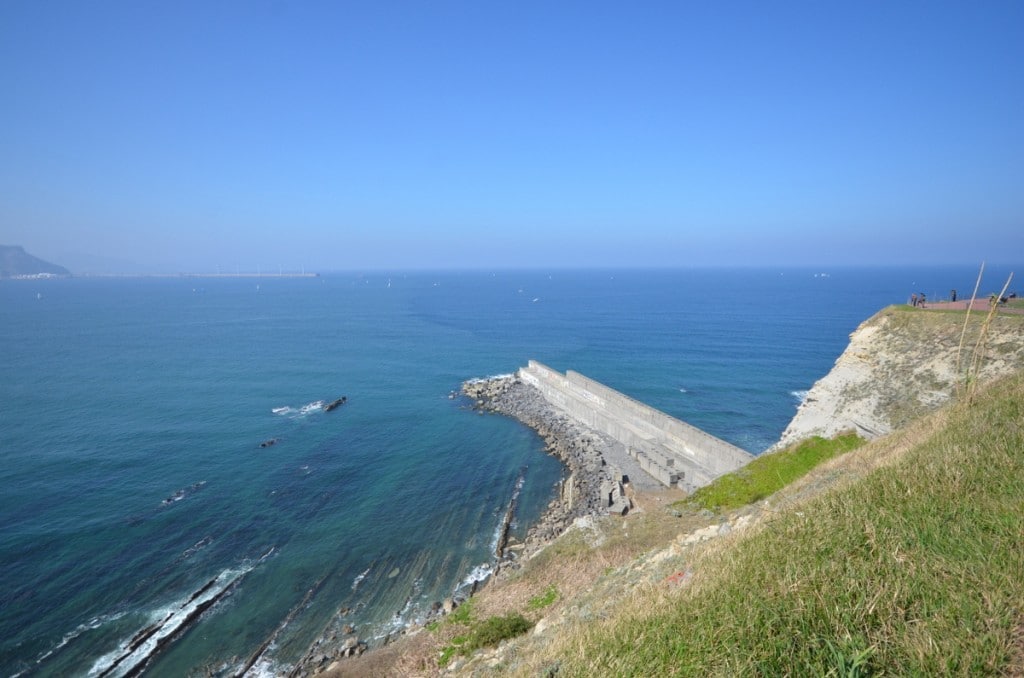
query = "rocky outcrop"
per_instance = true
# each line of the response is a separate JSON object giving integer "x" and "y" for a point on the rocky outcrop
{"x": 901, "y": 363}
{"x": 589, "y": 481}
{"x": 335, "y": 404}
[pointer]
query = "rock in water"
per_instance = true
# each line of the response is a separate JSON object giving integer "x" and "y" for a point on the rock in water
{"x": 335, "y": 404}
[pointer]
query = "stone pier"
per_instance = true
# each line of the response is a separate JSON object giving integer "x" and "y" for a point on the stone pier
{"x": 672, "y": 451}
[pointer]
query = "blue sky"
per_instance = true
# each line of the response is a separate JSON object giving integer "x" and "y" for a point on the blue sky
{"x": 337, "y": 135}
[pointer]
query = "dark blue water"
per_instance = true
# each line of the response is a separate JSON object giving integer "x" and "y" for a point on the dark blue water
{"x": 133, "y": 409}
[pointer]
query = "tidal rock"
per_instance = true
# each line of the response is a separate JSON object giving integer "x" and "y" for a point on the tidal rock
{"x": 335, "y": 404}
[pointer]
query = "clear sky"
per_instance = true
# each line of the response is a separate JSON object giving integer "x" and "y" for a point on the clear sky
{"x": 341, "y": 135}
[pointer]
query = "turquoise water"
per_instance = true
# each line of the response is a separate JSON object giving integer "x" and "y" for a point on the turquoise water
{"x": 134, "y": 409}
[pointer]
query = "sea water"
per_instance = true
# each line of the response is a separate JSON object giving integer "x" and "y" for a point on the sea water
{"x": 135, "y": 488}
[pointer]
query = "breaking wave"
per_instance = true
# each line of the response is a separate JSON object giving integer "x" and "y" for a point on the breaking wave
{"x": 167, "y": 622}
{"x": 476, "y": 575}
{"x": 183, "y": 492}
{"x": 90, "y": 625}
{"x": 480, "y": 380}
{"x": 359, "y": 578}
{"x": 294, "y": 413}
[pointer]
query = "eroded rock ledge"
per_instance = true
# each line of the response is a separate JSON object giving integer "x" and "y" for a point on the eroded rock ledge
{"x": 902, "y": 363}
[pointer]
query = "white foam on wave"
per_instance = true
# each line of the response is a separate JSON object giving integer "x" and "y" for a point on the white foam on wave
{"x": 410, "y": 603}
{"x": 293, "y": 413}
{"x": 165, "y": 622}
{"x": 359, "y": 578}
{"x": 477, "y": 574}
{"x": 496, "y": 536}
{"x": 411, "y": 612}
{"x": 93, "y": 623}
{"x": 311, "y": 407}
{"x": 800, "y": 396}
{"x": 493, "y": 377}
{"x": 170, "y": 619}
{"x": 683, "y": 390}
{"x": 265, "y": 668}
{"x": 183, "y": 492}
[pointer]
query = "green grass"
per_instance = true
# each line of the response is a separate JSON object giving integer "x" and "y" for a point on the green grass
{"x": 480, "y": 634}
{"x": 913, "y": 571}
{"x": 493, "y": 630}
{"x": 463, "y": 614}
{"x": 549, "y": 596}
{"x": 769, "y": 473}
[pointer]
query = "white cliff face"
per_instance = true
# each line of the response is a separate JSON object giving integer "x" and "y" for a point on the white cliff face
{"x": 899, "y": 364}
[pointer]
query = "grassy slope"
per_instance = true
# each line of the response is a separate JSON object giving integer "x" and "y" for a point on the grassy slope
{"x": 916, "y": 570}
{"x": 769, "y": 473}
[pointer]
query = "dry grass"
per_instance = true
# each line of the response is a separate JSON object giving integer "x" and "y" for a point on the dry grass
{"x": 912, "y": 569}
{"x": 618, "y": 582}
{"x": 902, "y": 557}
{"x": 923, "y": 358}
{"x": 572, "y": 564}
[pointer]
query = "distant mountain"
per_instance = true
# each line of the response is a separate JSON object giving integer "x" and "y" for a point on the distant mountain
{"x": 15, "y": 261}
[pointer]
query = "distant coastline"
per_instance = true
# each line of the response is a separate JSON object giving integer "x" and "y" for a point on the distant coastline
{"x": 17, "y": 264}
{"x": 194, "y": 275}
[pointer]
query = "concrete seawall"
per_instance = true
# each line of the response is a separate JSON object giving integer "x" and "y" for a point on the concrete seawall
{"x": 672, "y": 451}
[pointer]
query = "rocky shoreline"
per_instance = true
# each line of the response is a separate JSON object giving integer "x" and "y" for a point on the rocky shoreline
{"x": 582, "y": 492}
{"x": 581, "y": 450}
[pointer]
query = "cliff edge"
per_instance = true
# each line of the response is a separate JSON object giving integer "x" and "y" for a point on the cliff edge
{"x": 612, "y": 594}
{"x": 902, "y": 363}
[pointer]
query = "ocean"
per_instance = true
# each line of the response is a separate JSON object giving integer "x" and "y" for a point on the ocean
{"x": 136, "y": 490}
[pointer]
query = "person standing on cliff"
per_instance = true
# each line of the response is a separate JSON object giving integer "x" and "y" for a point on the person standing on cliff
{"x": 913, "y": 299}
{"x": 952, "y": 295}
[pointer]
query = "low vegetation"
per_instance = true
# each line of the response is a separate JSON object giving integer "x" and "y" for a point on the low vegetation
{"x": 898, "y": 557}
{"x": 475, "y": 634}
{"x": 545, "y": 599}
{"x": 915, "y": 570}
{"x": 769, "y": 473}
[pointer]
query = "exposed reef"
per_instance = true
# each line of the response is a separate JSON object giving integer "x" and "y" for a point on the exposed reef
{"x": 335, "y": 404}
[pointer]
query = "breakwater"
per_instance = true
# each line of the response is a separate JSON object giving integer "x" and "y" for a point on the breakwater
{"x": 580, "y": 450}
{"x": 677, "y": 454}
